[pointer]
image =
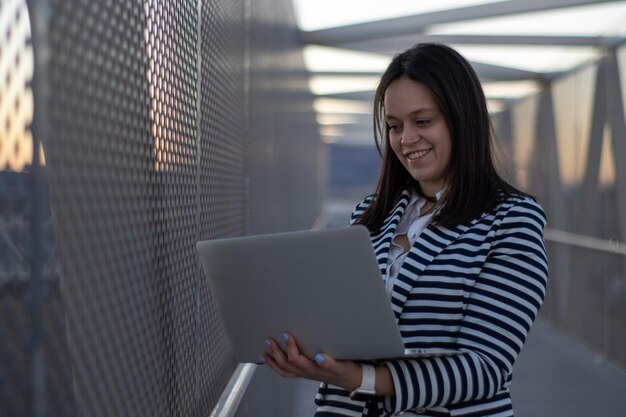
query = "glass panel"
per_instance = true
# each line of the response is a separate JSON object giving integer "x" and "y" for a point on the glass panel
{"x": 573, "y": 109}
{"x": 524, "y": 120}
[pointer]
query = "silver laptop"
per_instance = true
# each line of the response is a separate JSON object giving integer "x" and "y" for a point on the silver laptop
{"x": 323, "y": 286}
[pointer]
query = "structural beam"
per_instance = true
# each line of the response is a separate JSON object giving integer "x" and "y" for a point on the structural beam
{"x": 347, "y": 74}
{"x": 491, "y": 72}
{"x": 398, "y": 43}
{"x": 617, "y": 122}
{"x": 486, "y": 72}
{"x": 367, "y": 96}
{"x": 417, "y": 23}
{"x": 549, "y": 179}
{"x": 588, "y": 195}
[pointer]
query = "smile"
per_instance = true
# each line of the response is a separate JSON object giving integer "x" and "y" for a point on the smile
{"x": 417, "y": 154}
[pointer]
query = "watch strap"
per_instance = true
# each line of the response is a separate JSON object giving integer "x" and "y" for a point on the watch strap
{"x": 367, "y": 389}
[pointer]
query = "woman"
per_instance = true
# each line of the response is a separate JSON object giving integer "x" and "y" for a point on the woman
{"x": 461, "y": 252}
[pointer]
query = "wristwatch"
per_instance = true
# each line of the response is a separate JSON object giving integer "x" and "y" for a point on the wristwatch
{"x": 367, "y": 389}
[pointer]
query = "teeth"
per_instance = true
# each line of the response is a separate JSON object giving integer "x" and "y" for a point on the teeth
{"x": 417, "y": 154}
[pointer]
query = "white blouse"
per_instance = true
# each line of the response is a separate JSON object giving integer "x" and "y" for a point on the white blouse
{"x": 412, "y": 225}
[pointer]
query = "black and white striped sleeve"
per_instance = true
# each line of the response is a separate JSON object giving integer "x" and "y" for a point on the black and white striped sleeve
{"x": 500, "y": 310}
{"x": 360, "y": 208}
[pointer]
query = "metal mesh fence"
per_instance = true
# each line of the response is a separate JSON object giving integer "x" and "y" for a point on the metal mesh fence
{"x": 221, "y": 193}
{"x": 163, "y": 123}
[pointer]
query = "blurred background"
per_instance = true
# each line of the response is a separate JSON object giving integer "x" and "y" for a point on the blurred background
{"x": 130, "y": 130}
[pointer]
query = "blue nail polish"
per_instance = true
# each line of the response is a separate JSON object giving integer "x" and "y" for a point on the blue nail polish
{"x": 262, "y": 360}
{"x": 285, "y": 337}
{"x": 319, "y": 358}
{"x": 267, "y": 342}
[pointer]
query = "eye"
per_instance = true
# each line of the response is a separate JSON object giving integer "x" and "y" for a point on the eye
{"x": 423, "y": 122}
{"x": 393, "y": 127}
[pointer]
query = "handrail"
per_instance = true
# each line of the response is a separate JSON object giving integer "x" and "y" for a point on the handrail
{"x": 235, "y": 389}
{"x": 612, "y": 246}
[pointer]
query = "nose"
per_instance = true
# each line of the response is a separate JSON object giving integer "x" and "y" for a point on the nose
{"x": 410, "y": 135}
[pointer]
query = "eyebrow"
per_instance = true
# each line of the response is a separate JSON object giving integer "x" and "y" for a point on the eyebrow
{"x": 413, "y": 113}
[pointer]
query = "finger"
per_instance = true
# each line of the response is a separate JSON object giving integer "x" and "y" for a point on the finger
{"x": 306, "y": 367}
{"x": 293, "y": 352}
{"x": 330, "y": 367}
{"x": 325, "y": 362}
{"x": 269, "y": 361}
{"x": 279, "y": 357}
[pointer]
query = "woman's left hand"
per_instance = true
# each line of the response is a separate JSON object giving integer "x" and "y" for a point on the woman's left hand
{"x": 344, "y": 374}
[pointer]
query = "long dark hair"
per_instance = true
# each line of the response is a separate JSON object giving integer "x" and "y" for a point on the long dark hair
{"x": 473, "y": 185}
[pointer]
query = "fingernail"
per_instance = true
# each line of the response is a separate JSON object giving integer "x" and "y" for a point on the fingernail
{"x": 267, "y": 342}
{"x": 262, "y": 360}
{"x": 319, "y": 358}
{"x": 285, "y": 337}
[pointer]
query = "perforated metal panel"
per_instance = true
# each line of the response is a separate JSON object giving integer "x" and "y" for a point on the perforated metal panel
{"x": 150, "y": 115}
{"x": 221, "y": 192}
{"x": 109, "y": 174}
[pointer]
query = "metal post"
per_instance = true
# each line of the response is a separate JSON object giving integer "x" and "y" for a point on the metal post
{"x": 39, "y": 16}
{"x": 546, "y": 143}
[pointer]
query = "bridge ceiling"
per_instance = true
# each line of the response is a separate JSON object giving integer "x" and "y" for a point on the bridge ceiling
{"x": 514, "y": 45}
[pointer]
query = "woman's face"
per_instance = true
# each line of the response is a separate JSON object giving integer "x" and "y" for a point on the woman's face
{"x": 418, "y": 133}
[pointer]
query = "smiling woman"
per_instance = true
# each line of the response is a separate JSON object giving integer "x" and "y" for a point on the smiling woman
{"x": 460, "y": 251}
{"x": 418, "y": 133}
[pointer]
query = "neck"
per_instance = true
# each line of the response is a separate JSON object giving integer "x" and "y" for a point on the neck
{"x": 430, "y": 199}
{"x": 429, "y": 193}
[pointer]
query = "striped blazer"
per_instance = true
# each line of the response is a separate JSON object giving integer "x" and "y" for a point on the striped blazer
{"x": 475, "y": 288}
